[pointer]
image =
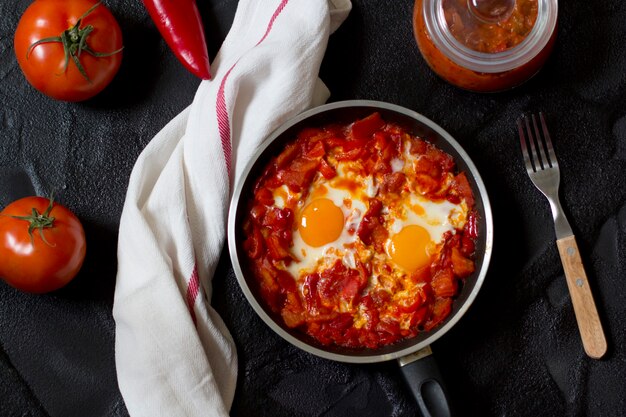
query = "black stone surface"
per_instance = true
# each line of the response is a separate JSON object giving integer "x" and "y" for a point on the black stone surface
{"x": 517, "y": 351}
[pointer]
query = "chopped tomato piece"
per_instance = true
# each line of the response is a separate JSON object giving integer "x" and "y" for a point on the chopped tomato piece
{"x": 291, "y": 318}
{"x": 341, "y": 322}
{"x": 264, "y": 196}
{"x": 351, "y": 155}
{"x": 292, "y": 311}
{"x": 350, "y": 145}
{"x": 286, "y": 281}
{"x": 340, "y": 283}
{"x": 381, "y": 140}
{"x": 335, "y": 141}
{"x": 444, "y": 160}
{"x": 393, "y": 183}
{"x": 370, "y": 312}
{"x": 418, "y": 146}
{"x": 461, "y": 265}
{"x": 419, "y": 316}
{"x": 380, "y": 166}
{"x": 410, "y": 304}
{"x": 426, "y": 184}
{"x": 471, "y": 227}
{"x": 275, "y": 248}
{"x": 312, "y": 300}
{"x": 290, "y": 152}
{"x": 463, "y": 188}
{"x": 421, "y": 275}
{"x": 278, "y": 219}
{"x": 444, "y": 283}
{"x": 441, "y": 310}
{"x": 371, "y": 231}
{"x": 316, "y": 151}
{"x": 467, "y": 245}
{"x": 326, "y": 170}
{"x": 299, "y": 174}
{"x": 380, "y": 297}
{"x": 363, "y": 129}
{"x": 309, "y": 133}
{"x": 429, "y": 167}
{"x": 253, "y": 245}
{"x": 388, "y": 326}
{"x": 257, "y": 213}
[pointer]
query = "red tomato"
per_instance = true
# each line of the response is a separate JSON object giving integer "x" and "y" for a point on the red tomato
{"x": 49, "y": 255}
{"x": 45, "y": 65}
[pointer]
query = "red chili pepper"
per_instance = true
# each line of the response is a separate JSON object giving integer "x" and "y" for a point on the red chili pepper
{"x": 181, "y": 26}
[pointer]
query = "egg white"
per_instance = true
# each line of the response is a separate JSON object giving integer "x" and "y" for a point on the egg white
{"x": 438, "y": 217}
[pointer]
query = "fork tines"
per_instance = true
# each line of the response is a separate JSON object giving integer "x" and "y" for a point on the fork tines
{"x": 541, "y": 155}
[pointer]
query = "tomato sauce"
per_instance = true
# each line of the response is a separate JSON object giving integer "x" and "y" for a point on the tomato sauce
{"x": 485, "y": 38}
{"x": 367, "y": 301}
{"x": 490, "y": 37}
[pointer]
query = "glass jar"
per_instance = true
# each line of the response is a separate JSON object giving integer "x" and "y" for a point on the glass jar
{"x": 476, "y": 54}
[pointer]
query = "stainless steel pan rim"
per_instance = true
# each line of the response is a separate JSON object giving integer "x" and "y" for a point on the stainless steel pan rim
{"x": 363, "y": 356}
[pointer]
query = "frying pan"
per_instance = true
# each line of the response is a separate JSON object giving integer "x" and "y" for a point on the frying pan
{"x": 414, "y": 355}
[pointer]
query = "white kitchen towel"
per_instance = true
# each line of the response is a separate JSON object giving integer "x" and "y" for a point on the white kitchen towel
{"x": 174, "y": 355}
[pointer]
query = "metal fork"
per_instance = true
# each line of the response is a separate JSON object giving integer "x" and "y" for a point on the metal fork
{"x": 543, "y": 170}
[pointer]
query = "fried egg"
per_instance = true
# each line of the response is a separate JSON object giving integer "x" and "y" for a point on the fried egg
{"x": 327, "y": 222}
{"x": 417, "y": 228}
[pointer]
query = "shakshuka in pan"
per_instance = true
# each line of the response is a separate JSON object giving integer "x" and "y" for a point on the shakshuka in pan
{"x": 360, "y": 234}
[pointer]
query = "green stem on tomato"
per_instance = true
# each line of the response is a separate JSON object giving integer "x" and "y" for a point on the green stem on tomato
{"x": 74, "y": 41}
{"x": 39, "y": 221}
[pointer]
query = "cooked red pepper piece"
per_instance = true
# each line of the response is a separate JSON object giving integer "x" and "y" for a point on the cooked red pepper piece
{"x": 181, "y": 26}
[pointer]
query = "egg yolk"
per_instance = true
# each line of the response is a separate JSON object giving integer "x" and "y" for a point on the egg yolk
{"x": 408, "y": 248}
{"x": 321, "y": 222}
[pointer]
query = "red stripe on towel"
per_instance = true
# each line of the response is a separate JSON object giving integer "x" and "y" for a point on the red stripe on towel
{"x": 193, "y": 288}
{"x": 279, "y": 9}
{"x": 223, "y": 122}
{"x": 223, "y": 119}
{"x": 223, "y": 126}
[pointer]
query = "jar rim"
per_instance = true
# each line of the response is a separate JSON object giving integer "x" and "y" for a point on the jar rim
{"x": 512, "y": 58}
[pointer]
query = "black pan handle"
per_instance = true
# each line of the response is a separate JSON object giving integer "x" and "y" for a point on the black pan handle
{"x": 424, "y": 378}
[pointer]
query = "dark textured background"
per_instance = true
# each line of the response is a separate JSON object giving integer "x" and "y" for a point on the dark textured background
{"x": 517, "y": 351}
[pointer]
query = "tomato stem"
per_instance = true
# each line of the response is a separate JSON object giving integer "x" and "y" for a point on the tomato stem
{"x": 39, "y": 221}
{"x": 74, "y": 41}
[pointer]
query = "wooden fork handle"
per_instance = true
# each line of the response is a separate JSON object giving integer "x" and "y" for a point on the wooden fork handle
{"x": 585, "y": 309}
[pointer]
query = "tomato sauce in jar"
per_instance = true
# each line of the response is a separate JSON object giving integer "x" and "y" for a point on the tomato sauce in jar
{"x": 485, "y": 56}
